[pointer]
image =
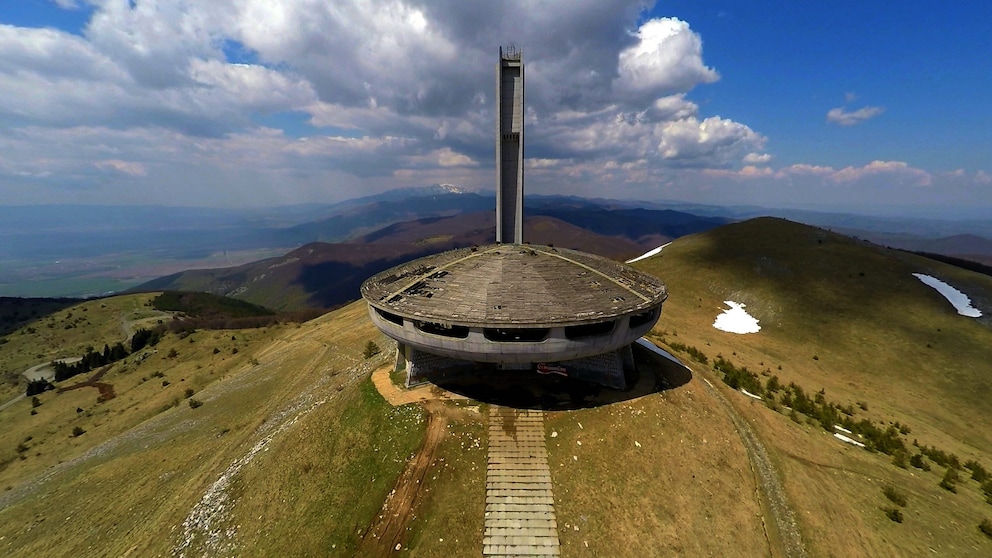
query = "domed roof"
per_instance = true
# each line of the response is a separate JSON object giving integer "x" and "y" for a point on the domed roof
{"x": 513, "y": 285}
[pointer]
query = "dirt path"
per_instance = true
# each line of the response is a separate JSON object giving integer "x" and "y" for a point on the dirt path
{"x": 106, "y": 390}
{"x": 127, "y": 326}
{"x": 785, "y": 533}
{"x": 396, "y": 396}
{"x": 389, "y": 527}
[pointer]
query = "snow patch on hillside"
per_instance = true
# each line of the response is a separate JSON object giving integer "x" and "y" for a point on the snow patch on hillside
{"x": 648, "y": 254}
{"x": 736, "y": 319}
{"x": 958, "y": 299}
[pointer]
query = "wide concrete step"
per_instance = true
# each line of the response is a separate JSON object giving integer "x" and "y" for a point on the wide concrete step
{"x": 526, "y": 486}
{"x": 535, "y": 466}
{"x": 518, "y": 507}
{"x": 544, "y": 532}
{"x": 508, "y": 550}
{"x": 526, "y": 475}
{"x": 511, "y": 445}
{"x": 518, "y": 448}
{"x": 524, "y": 457}
{"x": 521, "y": 540}
{"x": 518, "y": 492}
{"x": 523, "y": 523}
{"x": 519, "y": 500}
{"x": 517, "y": 480}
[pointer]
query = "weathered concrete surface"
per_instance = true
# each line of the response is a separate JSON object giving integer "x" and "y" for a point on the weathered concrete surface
{"x": 520, "y": 514}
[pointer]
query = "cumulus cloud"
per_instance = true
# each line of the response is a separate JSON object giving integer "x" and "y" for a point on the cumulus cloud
{"x": 667, "y": 58}
{"x": 757, "y": 158}
{"x": 843, "y": 117}
{"x": 895, "y": 169}
{"x": 268, "y": 101}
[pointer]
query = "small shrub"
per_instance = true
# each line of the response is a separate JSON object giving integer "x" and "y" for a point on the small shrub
{"x": 895, "y": 496}
{"x": 234, "y": 351}
{"x": 816, "y": 357}
{"x": 986, "y": 527}
{"x": 193, "y": 403}
{"x": 216, "y": 350}
{"x": 895, "y": 514}
{"x": 189, "y": 393}
{"x": 173, "y": 353}
{"x": 987, "y": 489}
{"x": 773, "y": 385}
{"x": 77, "y": 431}
{"x": 949, "y": 482}
{"x": 899, "y": 460}
{"x": 35, "y": 402}
{"x": 371, "y": 349}
{"x": 978, "y": 472}
{"x": 919, "y": 462}
{"x": 165, "y": 383}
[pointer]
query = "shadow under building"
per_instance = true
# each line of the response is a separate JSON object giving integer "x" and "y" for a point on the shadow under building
{"x": 513, "y": 305}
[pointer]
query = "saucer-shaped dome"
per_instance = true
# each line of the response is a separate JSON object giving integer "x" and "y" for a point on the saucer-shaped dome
{"x": 514, "y": 303}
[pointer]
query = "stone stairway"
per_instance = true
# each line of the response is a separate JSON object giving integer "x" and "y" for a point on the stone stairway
{"x": 520, "y": 513}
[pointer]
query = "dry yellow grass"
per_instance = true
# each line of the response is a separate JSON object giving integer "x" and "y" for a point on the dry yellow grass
{"x": 301, "y": 451}
{"x": 870, "y": 334}
{"x": 127, "y": 485}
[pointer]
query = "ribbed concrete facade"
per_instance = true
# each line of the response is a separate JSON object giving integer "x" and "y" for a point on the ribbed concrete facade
{"x": 510, "y": 146}
{"x": 520, "y": 512}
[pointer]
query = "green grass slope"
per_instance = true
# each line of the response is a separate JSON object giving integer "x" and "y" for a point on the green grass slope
{"x": 63, "y": 329}
{"x": 285, "y": 449}
{"x": 847, "y": 317}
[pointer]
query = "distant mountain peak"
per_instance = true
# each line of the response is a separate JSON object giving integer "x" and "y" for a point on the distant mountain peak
{"x": 452, "y": 188}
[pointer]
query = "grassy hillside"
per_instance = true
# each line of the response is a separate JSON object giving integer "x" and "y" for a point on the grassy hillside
{"x": 287, "y": 449}
{"x": 286, "y": 424}
{"x": 60, "y": 329}
{"x": 847, "y": 318}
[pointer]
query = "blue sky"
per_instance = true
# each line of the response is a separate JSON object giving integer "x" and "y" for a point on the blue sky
{"x": 864, "y": 106}
{"x": 783, "y": 64}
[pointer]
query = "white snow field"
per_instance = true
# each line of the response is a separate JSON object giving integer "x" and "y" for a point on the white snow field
{"x": 736, "y": 319}
{"x": 648, "y": 254}
{"x": 849, "y": 440}
{"x": 958, "y": 299}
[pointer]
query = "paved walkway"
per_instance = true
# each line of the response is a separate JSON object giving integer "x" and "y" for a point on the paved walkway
{"x": 520, "y": 513}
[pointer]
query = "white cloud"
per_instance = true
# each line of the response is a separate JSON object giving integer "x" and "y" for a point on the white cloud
{"x": 67, "y": 4}
{"x": 268, "y": 101}
{"x": 843, "y": 117}
{"x": 667, "y": 58}
{"x": 896, "y": 170}
{"x": 123, "y": 167}
{"x": 757, "y": 158}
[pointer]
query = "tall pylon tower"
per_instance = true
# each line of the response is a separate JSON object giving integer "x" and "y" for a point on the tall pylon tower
{"x": 510, "y": 146}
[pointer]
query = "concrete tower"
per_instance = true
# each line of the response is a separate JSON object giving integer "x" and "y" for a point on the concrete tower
{"x": 510, "y": 146}
{"x": 509, "y": 306}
